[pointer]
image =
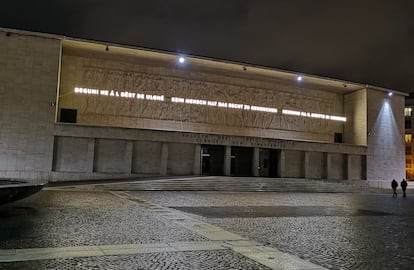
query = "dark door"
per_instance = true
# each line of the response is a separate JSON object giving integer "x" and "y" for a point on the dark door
{"x": 268, "y": 162}
{"x": 212, "y": 160}
{"x": 241, "y": 161}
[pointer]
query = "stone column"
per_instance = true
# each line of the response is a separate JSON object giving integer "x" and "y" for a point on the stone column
{"x": 91, "y": 154}
{"x": 348, "y": 170}
{"x": 197, "y": 160}
{"x": 227, "y": 160}
{"x": 328, "y": 166}
{"x": 164, "y": 159}
{"x": 128, "y": 154}
{"x": 282, "y": 163}
{"x": 307, "y": 164}
{"x": 256, "y": 162}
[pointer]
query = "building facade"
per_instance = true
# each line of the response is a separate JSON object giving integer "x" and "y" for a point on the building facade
{"x": 74, "y": 109}
{"x": 408, "y": 137}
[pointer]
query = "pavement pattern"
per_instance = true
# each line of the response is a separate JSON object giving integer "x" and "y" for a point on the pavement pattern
{"x": 61, "y": 228}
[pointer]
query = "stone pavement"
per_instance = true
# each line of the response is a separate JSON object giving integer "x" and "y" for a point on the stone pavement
{"x": 90, "y": 228}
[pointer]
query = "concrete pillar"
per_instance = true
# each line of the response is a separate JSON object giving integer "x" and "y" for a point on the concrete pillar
{"x": 256, "y": 162}
{"x": 128, "y": 154}
{"x": 328, "y": 166}
{"x": 307, "y": 164}
{"x": 348, "y": 168}
{"x": 91, "y": 154}
{"x": 282, "y": 163}
{"x": 164, "y": 159}
{"x": 197, "y": 160}
{"x": 227, "y": 160}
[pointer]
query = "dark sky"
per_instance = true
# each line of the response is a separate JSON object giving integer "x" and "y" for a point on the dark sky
{"x": 362, "y": 41}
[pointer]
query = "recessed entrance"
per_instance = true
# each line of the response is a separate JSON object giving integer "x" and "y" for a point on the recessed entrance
{"x": 212, "y": 160}
{"x": 269, "y": 162}
{"x": 241, "y": 161}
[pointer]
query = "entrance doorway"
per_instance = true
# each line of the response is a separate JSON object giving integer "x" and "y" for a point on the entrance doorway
{"x": 269, "y": 162}
{"x": 241, "y": 161}
{"x": 212, "y": 160}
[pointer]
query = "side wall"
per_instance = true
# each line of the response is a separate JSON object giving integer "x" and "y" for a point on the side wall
{"x": 28, "y": 83}
{"x": 386, "y": 149}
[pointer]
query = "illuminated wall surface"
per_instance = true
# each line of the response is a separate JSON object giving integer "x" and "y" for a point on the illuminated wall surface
{"x": 140, "y": 94}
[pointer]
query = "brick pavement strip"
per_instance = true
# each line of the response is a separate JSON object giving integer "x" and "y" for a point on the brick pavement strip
{"x": 189, "y": 260}
{"x": 31, "y": 254}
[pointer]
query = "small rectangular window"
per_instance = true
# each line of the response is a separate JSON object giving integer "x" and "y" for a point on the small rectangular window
{"x": 407, "y": 111}
{"x": 338, "y": 138}
{"x": 408, "y": 138}
{"x": 68, "y": 115}
{"x": 408, "y": 123}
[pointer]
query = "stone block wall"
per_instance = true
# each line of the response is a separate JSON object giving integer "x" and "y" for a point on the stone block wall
{"x": 180, "y": 158}
{"x": 112, "y": 156}
{"x": 28, "y": 84}
{"x": 315, "y": 165}
{"x": 292, "y": 164}
{"x": 336, "y": 166}
{"x": 147, "y": 157}
{"x": 386, "y": 148}
{"x": 73, "y": 154}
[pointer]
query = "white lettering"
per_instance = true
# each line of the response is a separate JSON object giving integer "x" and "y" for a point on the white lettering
{"x": 195, "y": 101}
{"x": 154, "y": 97}
{"x": 235, "y": 106}
{"x": 315, "y": 115}
{"x": 127, "y": 94}
{"x": 177, "y": 100}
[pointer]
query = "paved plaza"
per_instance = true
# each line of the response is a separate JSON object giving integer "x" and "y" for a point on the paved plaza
{"x": 98, "y": 227}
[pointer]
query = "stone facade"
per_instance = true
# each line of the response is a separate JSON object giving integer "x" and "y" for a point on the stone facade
{"x": 28, "y": 85}
{"x": 138, "y": 113}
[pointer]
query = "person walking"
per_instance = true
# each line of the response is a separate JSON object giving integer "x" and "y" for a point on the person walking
{"x": 394, "y": 185}
{"x": 404, "y": 187}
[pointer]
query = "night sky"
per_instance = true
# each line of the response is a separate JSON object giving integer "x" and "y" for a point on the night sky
{"x": 370, "y": 42}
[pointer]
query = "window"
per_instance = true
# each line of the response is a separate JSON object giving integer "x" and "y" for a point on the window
{"x": 68, "y": 115}
{"x": 407, "y": 111}
{"x": 408, "y": 149}
{"x": 408, "y": 138}
{"x": 338, "y": 138}
{"x": 408, "y": 123}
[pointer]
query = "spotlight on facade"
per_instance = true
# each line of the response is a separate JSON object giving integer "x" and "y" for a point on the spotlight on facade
{"x": 299, "y": 78}
{"x": 390, "y": 94}
{"x": 181, "y": 60}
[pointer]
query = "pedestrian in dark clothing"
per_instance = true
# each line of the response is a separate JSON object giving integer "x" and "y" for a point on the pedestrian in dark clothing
{"x": 404, "y": 187}
{"x": 394, "y": 186}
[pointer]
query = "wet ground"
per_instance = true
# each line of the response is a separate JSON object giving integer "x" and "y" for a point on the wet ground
{"x": 64, "y": 229}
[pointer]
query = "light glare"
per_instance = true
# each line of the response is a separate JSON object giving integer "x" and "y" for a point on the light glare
{"x": 181, "y": 60}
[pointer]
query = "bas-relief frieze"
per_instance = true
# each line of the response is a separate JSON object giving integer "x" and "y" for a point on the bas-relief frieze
{"x": 141, "y": 82}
